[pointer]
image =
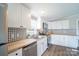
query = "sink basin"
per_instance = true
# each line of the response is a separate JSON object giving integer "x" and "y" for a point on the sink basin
{"x": 39, "y": 36}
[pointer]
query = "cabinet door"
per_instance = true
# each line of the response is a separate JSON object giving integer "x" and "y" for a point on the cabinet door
{"x": 57, "y": 40}
{"x": 16, "y": 53}
{"x": 39, "y": 48}
{"x": 72, "y": 42}
{"x": 49, "y": 39}
{"x": 77, "y": 26}
{"x": 45, "y": 45}
{"x": 19, "y": 19}
{"x": 76, "y": 38}
{"x": 65, "y": 24}
{"x": 53, "y": 25}
{"x": 25, "y": 17}
{"x": 18, "y": 15}
{"x": 42, "y": 48}
{"x": 12, "y": 15}
{"x": 60, "y": 40}
{"x": 59, "y": 25}
{"x": 64, "y": 38}
{"x": 52, "y": 39}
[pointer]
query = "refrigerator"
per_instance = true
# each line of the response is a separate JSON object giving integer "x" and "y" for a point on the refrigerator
{"x": 3, "y": 31}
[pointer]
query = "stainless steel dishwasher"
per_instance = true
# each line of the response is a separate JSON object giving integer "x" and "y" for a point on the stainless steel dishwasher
{"x": 30, "y": 50}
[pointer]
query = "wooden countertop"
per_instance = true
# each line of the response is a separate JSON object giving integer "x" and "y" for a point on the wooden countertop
{"x": 19, "y": 44}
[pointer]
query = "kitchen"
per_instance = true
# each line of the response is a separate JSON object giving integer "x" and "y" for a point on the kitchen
{"x": 33, "y": 29}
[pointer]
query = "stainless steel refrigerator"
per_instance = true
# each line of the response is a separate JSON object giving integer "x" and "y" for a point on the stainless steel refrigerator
{"x": 3, "y": 31}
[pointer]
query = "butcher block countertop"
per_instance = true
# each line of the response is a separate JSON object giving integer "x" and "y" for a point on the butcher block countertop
{"x": 19, "y": 44}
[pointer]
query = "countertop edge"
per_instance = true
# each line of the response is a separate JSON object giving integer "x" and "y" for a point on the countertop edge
{"x": 9, "y": 51}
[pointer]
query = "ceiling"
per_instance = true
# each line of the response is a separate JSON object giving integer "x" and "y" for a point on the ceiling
{"x": 54, "y": 11}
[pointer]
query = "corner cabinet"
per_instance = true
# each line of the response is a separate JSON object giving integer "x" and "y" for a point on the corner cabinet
{"x": 18, "y": 15}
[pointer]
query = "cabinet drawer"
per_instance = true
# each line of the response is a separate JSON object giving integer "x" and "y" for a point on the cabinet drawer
{"x": 16, "y": 53}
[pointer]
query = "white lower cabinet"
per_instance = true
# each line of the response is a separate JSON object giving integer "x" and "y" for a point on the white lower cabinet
{"x": 41, "y": 46}
{"x": 39, "y": 49}
{"x": 45, "y": 45}
{"x": 64, "y": 40}
{"x": 16, "y": 53}
{"x": 72, "y": 42}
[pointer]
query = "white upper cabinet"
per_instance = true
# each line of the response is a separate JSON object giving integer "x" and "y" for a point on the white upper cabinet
{"x": 18, "y": 16}
{"x": 59, "y": 25}
{"x": 24, "y": 16}
{"x": 12, "y": 15}
{"x": 52, "y": 25}
{"x": 26, "y": 22}
{"x": 64, "y": 24}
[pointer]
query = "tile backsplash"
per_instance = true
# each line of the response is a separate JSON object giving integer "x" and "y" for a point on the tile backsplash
{"x": 15, "y": 34}
{"x": 63, "y": 31}
{"x": 31, "y": 33}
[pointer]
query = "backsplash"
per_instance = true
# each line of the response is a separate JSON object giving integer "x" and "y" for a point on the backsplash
{"x": 15, "y": 34}
{"x": 32, "y": 33}
{"x": 63, "y": 31}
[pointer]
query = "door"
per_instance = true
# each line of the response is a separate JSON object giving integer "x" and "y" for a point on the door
{"x": 3, "y": 27}
{"x": 3, "y": 30}
{"x": 3, "y": 50}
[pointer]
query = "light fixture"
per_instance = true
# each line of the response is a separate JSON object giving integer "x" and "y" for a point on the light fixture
{"x": 42, "y": 12}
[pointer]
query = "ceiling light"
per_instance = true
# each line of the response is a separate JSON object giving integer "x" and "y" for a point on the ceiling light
{"x": 42, "y": 12}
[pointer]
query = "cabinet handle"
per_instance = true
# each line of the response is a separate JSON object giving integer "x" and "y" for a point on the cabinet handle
{"x": 16, "y": 53}
{"x": 21, "y": 26}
